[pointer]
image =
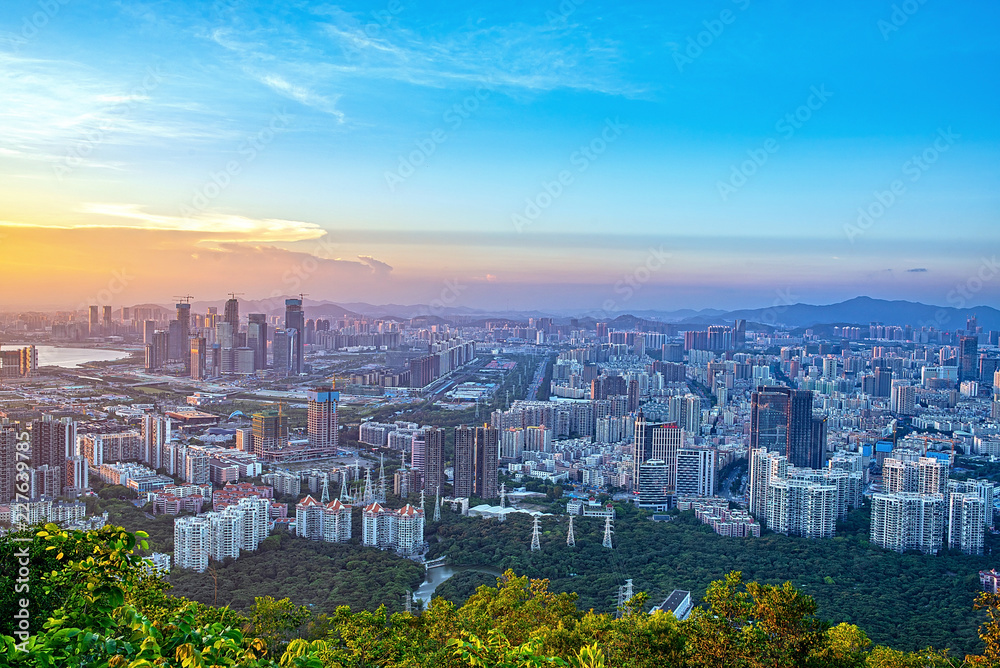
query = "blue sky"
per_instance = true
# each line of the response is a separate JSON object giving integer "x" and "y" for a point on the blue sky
{"x": 128, "y": 116}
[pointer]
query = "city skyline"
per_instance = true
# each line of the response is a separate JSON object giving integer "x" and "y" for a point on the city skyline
{"x": 537, "y": 157}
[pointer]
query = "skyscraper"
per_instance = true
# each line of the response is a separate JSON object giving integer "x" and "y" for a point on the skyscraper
{"x": 660, "y": 441}
{"x": 695, "y": 472}
{"x": 295, "y": 319}
{"x": 966, "y": 525}
{"x": 968, "y": 358}
{"x": 322, "y": 418}
{"x": 155, "y": 435}
{"x": 184, "y": 332}
{"x": 257, "y": 338}
{"x": 908, "y": 521}
{"x": 282, "y": 351}
{"x": 270, "y": 433}
{"x": 197, "y": 363}
{"x": 94, "y": 320}
{"x": 781, "y": 420}
{"x": 232, "y": 314}
{"x": 52, "y": 443}
{"x": 487, "y": 462}
{"x": 465, "y": 469}
{"x": 148, "y": 330}
{"x": 883, "y": 382}
{"x": 433, "y": 459}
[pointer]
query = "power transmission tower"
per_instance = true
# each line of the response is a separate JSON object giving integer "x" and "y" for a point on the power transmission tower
{"x": 608, "y": 530}
{"x": 344, "y": 496}
{"x": 535, "y": 544}
{"x": 570, "y": 538}
{"x": 624, "y": 596}
{"x": 381, "y": 479}
{"x": 368, "y": 497}
{"x": 325, "y": 497}
{"x": 437, "y": 505}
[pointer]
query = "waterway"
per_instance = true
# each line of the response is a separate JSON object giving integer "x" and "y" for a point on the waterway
{"x": 435, "y": 576}
{"x": 71, "y": 358}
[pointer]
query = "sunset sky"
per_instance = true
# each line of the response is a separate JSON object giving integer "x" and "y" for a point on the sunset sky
{"x": 533, "y": 154}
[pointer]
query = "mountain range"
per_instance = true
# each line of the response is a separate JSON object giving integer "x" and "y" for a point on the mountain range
{"x": 859, "y": 311}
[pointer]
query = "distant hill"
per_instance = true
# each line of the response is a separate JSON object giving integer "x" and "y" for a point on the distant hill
{"x": 861, "y": 311}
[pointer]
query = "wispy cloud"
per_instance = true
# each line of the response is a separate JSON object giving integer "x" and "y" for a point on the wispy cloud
{"x": 63, "y": 111}
{"x": 217, "y": 227}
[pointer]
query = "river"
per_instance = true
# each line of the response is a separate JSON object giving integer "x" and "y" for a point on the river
{"x": 435, "y": 576}
{"x": 71, "y": 358}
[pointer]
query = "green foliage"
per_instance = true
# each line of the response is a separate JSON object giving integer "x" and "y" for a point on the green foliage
{"x": 319, "y": 575}
{"x": 108, "y": 612}
{"x": 905, "y": 601}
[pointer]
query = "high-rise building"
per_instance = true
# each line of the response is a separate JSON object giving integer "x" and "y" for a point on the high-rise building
{"x": 192, "y": 542}
{"x": 926, "y": 475}
{"x": 781, "y": 420}
{"x": 764, "y": 467}
{"x": 322, "y": 418}
{"x": 883, "y": 382}
{"x": 797, "y": 507}
{"x": 106, "y": 318}
{"x": 94, "y": 320}
{"x": 968, "y": 358}
{"x": 198, "y": 363}
{"x": 184, "y": 332}
{"x": 465, "y": 458}
{"x": 53, "y": 441}
{"x": 232, "y": 314}
{"x": 329, "y": 522}
{"x": 908, "y": 521}
{"x": 433, "y": 473}
{"x": 487, "y": 462}
{"x": 155, "y": 436}
{"x": 695, "y": 472}
{"x": 653, "y": 483}
{"x": 660, "y": 441}
{"x": 904, "y": 398}
{"x": 8, "y": 461}
{"x": 282, "y": 351}
{"x": 148, "y": 330}
{"x": 270, "y": 433}
{"x": 257, "y": 338}
{"x": 966, "y": 525}
{"x": 295, "y": 319}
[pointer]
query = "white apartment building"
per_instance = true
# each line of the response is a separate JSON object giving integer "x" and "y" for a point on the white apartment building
{"x": 908, "y": 521}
